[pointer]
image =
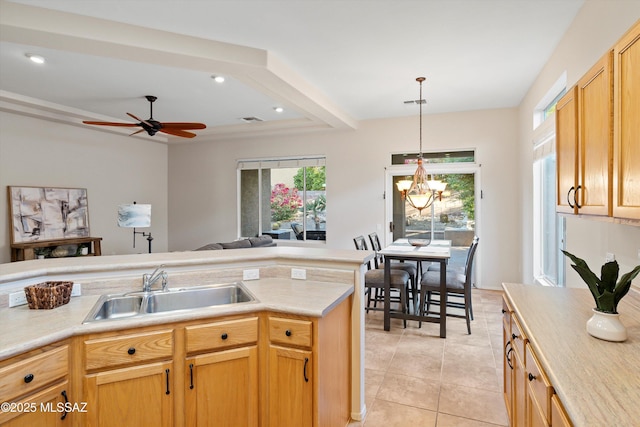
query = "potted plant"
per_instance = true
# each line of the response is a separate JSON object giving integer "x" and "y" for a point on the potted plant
{"x": 607, "y": 292}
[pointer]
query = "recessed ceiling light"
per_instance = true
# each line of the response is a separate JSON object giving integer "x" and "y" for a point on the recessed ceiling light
{"x": 35, "y": 58}
{"x": 278, "y": 109}
{"x": 218, "y": 79}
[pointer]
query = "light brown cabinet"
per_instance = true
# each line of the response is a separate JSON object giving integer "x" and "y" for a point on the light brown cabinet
{"x": 36, "y": 388}
{"x": 584, "y": 123}
{"x": 626, "y": 156}
{"x": 129, "y": 379}
{"x": 529, "y": 395}
{"x": 598, "y": 134}
{"x": 221, "y": 384}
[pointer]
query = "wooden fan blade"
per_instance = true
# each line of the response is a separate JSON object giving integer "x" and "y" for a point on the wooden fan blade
{"x": 183, "y": 125}
{"x": 140, "y": 120}
{"x": 87, "y": 122}
{"x": 138, "y": 131}
{"x": 178, "y": 132}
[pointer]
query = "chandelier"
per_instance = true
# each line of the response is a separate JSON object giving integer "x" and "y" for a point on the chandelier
{"x": 421, "y": 192}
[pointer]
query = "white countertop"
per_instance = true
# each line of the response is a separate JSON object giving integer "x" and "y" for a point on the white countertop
{"x": 34, "y": 328}
{"x": 597, "y": 381}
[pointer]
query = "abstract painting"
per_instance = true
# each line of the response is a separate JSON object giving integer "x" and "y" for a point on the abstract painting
{"x": 46, "y": 213}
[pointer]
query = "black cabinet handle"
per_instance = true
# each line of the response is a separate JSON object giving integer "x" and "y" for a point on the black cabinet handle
{"x": 131, "y": 351}
{"x": 532, "y": 377}
{"x": 224, "y": 336}
{"x": 509, "y": 358}
{"x": 28, "y": 378}
{"x": 503, "y": 311}
{"x": 304, "y": 372}
{"x": 288, "y": 332}
{"x": 575, "y": 196}
{"x": 507, "y": 352}
{"x": 66, "y": 400}
{"x": 167, "y": 372}
{"x": 514, "y": 336}
{"x": 191, "y": 375}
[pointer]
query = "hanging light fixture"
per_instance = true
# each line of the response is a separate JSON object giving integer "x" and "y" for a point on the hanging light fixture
{"x": 421, "y": 192}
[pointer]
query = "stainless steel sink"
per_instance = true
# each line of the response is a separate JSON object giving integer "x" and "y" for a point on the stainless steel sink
{"x": 138, "y": 304}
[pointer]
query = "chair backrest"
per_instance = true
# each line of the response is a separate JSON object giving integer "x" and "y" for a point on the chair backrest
{"x": 468, "y": 268}
{"x": 361, "y": 245}
{"x": 375, "y": 245}
{"x": 297, "y": 229}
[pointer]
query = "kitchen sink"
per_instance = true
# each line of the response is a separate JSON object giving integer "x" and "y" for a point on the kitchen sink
{"x": 137, "y": 304}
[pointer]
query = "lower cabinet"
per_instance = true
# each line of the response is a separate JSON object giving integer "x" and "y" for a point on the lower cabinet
{"x": 129, "y": 379}
{"x": 290, "y": 387}
{"x": 529, "y": 395}
{"x": 133, "y": 396}
{"x": 221, "y": 385}
{"x": 34, "y": 388}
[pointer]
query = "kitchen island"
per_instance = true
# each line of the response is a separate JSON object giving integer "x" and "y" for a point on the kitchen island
{"x": 333, "y": 284}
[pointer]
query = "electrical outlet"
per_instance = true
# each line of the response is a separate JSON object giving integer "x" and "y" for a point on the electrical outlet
{"x": 610, "y": 257}
{"x": 76, "y": 291}
{"x": 299, "y": 273}
{"x": 253, "y": 274}
{"x": 17, "y": 298}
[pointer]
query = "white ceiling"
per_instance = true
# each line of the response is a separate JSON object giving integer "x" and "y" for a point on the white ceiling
{"x": 329, "y": 63}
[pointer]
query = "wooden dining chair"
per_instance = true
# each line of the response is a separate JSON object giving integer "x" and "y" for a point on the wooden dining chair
{"x": 458, "y": 286}
{"x": 374, "y": 283}
{"x": 395, "y": 265}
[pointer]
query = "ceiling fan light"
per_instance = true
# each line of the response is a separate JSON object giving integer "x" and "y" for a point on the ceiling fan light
{"x": 218, "y": 79}
{"x": 37, "y": 59}
{"x": 278, "y": 109}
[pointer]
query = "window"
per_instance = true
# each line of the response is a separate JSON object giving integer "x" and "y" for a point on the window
{"x": 284, "y": 198}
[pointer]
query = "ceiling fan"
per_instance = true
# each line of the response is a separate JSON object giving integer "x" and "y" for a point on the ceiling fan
{"x": 152, "y": 126}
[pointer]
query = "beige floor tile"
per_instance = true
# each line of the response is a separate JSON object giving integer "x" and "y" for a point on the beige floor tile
{"x": 389, "y": 414}
{"x": 445, "y": 420}
{"x": 410, "y": 373}
{"x": 477, "y": 404}
{"x": 410, "y": 391}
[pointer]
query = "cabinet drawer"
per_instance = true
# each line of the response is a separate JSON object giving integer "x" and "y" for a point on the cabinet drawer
{"x": 127, "y": 349}
{"x": 223, "y": 334}
{"x": 518, "y": 339}
{"x": 290, "y": 332}
{"x": 30, "y": 374}
{"x": 539, "y": 384}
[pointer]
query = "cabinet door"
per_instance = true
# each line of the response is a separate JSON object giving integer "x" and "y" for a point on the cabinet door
{"x": 44, "y": 409}
{"x": 134, "y": 396}
{"x": 222, "y": 389}
{"x": 566, "y": 151}
{"x": 519, "y": 391}
{"x": 595, "y": 138}
{"x": 507, "y": 362}
{"x": 290, "y": 387}
{"x": 626, "y": 175}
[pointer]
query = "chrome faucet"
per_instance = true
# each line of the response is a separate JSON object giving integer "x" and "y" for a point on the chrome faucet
{"x": 149, "y": 279}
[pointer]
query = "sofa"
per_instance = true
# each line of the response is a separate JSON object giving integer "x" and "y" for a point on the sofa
{"x": 251, "y": 242}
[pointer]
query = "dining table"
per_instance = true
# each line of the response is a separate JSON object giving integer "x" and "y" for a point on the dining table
{"x": 402, "y": 250}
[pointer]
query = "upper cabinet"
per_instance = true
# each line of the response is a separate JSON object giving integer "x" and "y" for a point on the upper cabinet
{"x": 595, "y": 139}
{"x": 626, "y": 95}
{"x": 598, "y": 136}
{"x": 567, "y": 151}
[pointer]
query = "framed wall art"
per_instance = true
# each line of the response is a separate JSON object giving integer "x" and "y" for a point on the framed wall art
{"x": 47, "y": 213}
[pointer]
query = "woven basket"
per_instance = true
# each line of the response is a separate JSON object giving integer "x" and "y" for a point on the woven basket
{"x": 48, "y": 295}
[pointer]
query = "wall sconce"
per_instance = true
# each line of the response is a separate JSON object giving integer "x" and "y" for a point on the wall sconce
{"x": 135, "y": 215}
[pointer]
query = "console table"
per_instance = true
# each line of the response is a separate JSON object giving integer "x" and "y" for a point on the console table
{"x": 26, "y": 251}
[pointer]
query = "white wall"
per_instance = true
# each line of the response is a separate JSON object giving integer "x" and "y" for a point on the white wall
{"x": 114, "y": 169}
{"x": 597, "y": 26}
{"x": 202, "y": 186}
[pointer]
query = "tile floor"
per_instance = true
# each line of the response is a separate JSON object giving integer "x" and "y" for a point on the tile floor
{"x": 415, "y": 378}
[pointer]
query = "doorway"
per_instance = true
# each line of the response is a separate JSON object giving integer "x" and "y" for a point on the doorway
{"x": 454, "y": 217}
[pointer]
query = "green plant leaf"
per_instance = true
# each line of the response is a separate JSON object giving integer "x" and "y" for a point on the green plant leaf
{"x": 589, "y": 277}
{"x": 605, "y": 302}
{"x": 609, "y": 275}
{"x": 623, "y": 286}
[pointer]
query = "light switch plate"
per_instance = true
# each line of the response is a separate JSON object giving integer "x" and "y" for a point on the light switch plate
{"x": 610, "y": 257}
{"x": 76, "y": 291}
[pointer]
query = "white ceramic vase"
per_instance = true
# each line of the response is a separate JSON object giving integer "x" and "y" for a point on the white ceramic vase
{"x": 606, "y": 326}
